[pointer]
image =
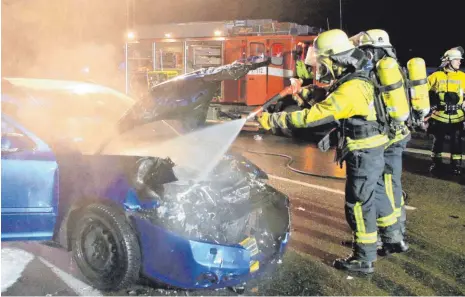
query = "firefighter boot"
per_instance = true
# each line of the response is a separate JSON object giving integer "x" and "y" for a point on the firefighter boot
{"x": 456, "y": 167}
{"x": 351, "y": 263}
{"x": 393, "y": 248}
{"x": 436, "y": 166}
{"x": 406, "y": 197}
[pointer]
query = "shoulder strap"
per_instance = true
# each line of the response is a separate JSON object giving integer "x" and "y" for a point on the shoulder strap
{"x": 382, "y": 116}
{"x": 408, "y": 84}
{"x": 360, "y": 74}
{"x": 370, "y": 77}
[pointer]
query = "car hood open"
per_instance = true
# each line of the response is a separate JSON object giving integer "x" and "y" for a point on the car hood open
{"x": 185, "y": 97}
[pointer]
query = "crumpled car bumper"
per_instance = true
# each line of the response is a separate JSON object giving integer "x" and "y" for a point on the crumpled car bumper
{"x": 189, "y": 264}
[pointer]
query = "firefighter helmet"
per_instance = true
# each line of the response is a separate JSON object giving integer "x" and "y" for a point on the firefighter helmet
{"x": 453, "y": 54}
{"x": 332, "y": 42}
{"x": 376, "y": 41}
{"x": 375, "y": 38}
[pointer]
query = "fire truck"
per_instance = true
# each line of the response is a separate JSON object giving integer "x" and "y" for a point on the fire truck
{"x": 161, "y": 52}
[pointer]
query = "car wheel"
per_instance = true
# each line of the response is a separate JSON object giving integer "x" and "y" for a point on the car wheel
{"x": 105, "y": 248}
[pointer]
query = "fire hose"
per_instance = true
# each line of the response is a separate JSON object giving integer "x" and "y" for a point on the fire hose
{"x": 291, "y": 160}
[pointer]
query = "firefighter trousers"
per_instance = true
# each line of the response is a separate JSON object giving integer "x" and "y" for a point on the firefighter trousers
{"x": 389, "y": 195}
{"x": 440, "y": 130}
{"x": 363, "y": 169}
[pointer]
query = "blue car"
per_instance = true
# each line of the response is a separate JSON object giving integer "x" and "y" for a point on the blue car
{"x": 67, "y": 176}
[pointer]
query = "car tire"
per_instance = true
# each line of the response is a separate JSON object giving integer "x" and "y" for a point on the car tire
{"x": 106, "y": 248}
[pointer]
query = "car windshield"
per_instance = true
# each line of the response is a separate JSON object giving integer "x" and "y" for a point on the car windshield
{"x": 83, "y": 115}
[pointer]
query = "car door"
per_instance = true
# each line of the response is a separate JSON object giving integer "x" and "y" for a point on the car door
{"x": 29, "y": 185}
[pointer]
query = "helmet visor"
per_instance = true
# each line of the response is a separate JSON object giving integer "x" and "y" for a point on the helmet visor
{"x": 310, "y": 58}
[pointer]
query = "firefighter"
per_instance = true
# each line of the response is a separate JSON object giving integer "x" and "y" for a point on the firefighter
{"x": 303, "y": 71}
{"x": 309, "y": 94}
{"x": 446, "y": 87}
{"x": 376, "y": 45}
{"x": 362, "y": 141}
{"x": 303, "y": 76}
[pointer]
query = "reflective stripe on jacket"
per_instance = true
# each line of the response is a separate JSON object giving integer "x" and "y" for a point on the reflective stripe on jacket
{"x": 352, "y": 99}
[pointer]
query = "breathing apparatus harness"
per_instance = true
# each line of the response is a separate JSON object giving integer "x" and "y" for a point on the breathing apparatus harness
{"x": 356, "y": 127}
{"x": 412, "y": 105}
{"x": 450, "y": 105}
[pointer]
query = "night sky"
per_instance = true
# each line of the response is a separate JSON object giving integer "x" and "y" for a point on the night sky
{"x": 416, "y": 27}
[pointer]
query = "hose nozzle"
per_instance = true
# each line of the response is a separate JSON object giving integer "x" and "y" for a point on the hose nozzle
{"x": 286, "y": 91}
{"x": 254, "y": 113}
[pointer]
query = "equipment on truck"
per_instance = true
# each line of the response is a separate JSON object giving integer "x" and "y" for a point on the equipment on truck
{"x": 187, "y": 47}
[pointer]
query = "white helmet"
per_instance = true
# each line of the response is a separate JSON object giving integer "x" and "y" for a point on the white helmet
{"x": 373, "y": 37}
{"x": 453, "y": 54}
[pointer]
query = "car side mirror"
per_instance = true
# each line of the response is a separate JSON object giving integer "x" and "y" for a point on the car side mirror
{"x": 14, "y": 142}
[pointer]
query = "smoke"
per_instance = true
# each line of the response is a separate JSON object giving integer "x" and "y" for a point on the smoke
{"x": 87, "y": 62}
{"x": 91, "y": 62}
{"x": 58, "y": 39}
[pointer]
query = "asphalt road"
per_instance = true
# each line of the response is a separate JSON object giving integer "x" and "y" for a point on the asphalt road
{"x": 318, "y": 230}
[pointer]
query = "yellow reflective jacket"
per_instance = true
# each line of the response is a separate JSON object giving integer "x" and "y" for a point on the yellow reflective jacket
{"x": 446, "y": 88}
{"x": 401, "y": 131}
{"x": 302, "y": 70}
{"x": 354, "y": 99}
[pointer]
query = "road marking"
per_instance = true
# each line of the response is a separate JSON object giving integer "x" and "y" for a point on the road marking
{"x": 308, "y": 185}
{"x": 76, "y": 285}
{"x": 428, "y": 153}
{"x": 14, "y": 261}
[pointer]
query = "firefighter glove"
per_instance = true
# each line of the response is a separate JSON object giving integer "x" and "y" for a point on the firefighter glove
{"x": 298, "y": 99}
{"x": 296, "y": 85}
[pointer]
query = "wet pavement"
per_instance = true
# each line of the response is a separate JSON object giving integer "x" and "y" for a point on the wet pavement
{"x": 435, "y": 265}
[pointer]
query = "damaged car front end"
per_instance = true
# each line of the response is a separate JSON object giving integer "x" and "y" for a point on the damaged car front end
{"x": 219, "y": 232}
{"x": 123, "y": 215}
